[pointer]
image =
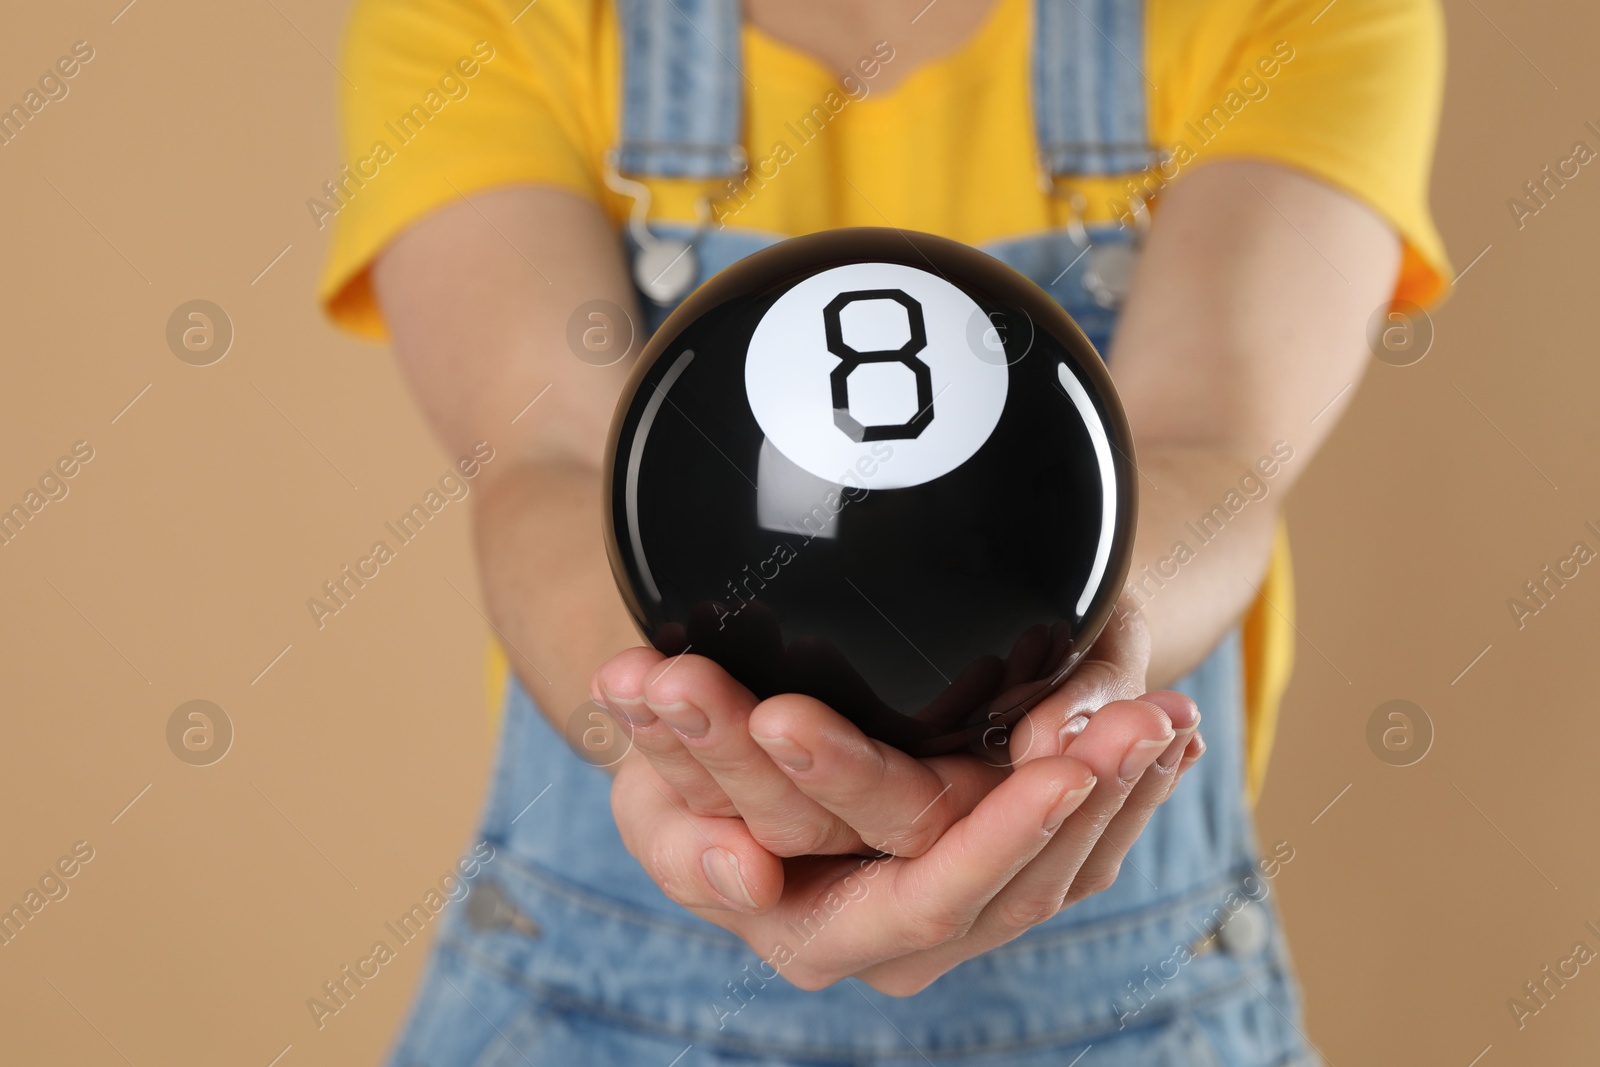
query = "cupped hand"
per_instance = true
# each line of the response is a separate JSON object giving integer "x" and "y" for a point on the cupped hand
{"x": 746, "y": 811}
{"x": 808, "y": 782}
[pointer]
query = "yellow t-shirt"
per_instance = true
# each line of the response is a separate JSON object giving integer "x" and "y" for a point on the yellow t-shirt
{"x": 457, "y": 96}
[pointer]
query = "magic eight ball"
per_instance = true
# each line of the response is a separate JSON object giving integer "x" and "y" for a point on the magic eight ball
{"x": 879, "y": 468}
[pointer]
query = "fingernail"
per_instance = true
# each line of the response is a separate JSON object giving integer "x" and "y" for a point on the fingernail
{"x": 722, "y": 871}
{"x": 1067, "y": 805}
{"x": 1196, "y": 749}
{"x": 635, "y": 711}
{"x": 1074, "y": 727}
{"x": 787, "y": 752}
{"x": 1172, "y": 753}
{"x": 1188, "y": 723}
{"x": 686, "y": 719}
{"x": 1139, "y": 756}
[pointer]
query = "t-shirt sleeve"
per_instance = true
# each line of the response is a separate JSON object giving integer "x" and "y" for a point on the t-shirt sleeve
{"x": 1348, "y": 91}
{"x": 443, "y": 98}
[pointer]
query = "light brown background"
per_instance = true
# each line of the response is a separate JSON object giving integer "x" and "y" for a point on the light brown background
{"x": 179, "y": 565}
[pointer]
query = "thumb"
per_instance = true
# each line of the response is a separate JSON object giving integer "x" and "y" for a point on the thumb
{"x": 1112, "y": 669}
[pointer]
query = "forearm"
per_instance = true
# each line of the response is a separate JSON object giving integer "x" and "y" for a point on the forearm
{"x": 483, "y": 336}
{"x": 546, "y": 580}
{"x": 1206, "y": 521}
{"x": 1244, "y": 338}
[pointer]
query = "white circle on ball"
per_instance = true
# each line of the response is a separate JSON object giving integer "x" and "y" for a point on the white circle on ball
{"x": 875, "y": 440}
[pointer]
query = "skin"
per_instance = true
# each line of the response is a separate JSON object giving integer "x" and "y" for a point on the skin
{"x": 1240, "y": 328}
{"x": 838, "y": 34}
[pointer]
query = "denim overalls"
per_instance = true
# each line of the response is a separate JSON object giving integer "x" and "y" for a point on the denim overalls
{"x": 565, "y": 953}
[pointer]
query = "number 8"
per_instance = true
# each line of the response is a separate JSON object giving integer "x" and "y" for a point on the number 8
{"x": 851, "y": 358}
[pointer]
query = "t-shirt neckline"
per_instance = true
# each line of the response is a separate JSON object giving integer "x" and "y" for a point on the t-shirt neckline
{"x": 972, "y": 57}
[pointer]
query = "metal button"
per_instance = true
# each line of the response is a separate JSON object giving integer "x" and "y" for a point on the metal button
{"x": 1246, "y": 931}
{"x": 1109, "y": 274}
{"x": 665, "y": 270}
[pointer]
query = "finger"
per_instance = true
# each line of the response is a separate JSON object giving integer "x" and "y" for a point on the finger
{"x": 699, "y": 861}
{"x": 894, "y": 803}
{"x": 1196, "y": 749}
{"x": 1118, "y": 744}
{"x": 710, "y": 713}
{"x": 1179, "y": 707}
{"x": 1101, "y": 867}
{"x": 1123, "y": 738}
{"x": 1113, "y": 669}
{"x": 979, "y": 855}
{"x": 619, "y": 686}
{"x": 913, "y": 905}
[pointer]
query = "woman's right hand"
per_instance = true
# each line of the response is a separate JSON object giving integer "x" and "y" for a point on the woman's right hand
{"x": 979, "y": 853}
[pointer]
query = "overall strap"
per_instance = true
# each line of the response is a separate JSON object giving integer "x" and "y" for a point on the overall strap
{"x": 1089, "y": 106}
{"x": 682, "y": 91}
{"x": 682, "y": 88}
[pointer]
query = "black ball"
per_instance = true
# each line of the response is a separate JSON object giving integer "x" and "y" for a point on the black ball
{"x": 880, "y": 468}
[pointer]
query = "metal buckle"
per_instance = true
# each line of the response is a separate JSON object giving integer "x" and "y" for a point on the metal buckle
{"x": 666, "y": 267}
{"x": 1109, "y": 273}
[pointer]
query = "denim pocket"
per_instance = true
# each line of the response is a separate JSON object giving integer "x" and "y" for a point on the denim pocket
{"x": 462, "y": 1013}
{"x": 1253, "y": 1026}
